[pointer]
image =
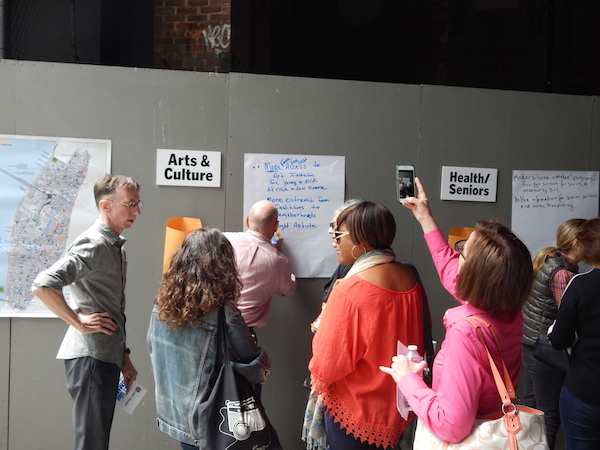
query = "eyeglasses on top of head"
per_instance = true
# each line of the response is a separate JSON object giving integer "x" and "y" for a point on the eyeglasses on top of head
{"x": 130, "y": 205}
{"x": 459, "y": 246}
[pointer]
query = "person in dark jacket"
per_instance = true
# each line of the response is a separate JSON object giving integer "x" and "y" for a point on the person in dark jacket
{"x": 577, "y": 326}
{"x": 553, "y": 267}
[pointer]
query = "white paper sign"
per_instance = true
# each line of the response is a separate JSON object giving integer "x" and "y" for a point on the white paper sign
{"x": 129, "y": 400}
{"x": 306, "y": 189}
{"x": 188, "y": 168}
{"x": 543, "y": 199}
{"x": 469, "y": 184}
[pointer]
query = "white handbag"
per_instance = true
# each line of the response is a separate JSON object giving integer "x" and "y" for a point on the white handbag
{"x": 514, "y": 427}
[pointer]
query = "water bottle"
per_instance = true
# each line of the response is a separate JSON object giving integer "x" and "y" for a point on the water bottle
{"x": 412, "y": 355}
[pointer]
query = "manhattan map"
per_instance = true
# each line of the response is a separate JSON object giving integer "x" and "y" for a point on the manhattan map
{"x": 46, "y": 201}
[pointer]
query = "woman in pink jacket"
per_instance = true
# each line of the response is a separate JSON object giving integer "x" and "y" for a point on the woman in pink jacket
{"x": 490, "y": 275}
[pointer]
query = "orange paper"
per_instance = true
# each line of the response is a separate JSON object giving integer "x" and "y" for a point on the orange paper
{"x": 177, "y": 229}
{"x": 458, "y": 234}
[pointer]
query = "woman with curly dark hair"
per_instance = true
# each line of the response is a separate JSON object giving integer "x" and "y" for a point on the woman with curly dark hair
{"x": 182, "y": 334}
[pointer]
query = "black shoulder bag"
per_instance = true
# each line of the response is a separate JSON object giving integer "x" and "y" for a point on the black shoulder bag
{"x": 230, "y": 415}
{"x": 557, "y": 359}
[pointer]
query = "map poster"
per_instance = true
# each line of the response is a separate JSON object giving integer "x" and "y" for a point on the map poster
{"x": 46, "y": 201}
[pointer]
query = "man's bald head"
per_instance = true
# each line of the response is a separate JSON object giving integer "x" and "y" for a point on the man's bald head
{"x": 263, "y": 218}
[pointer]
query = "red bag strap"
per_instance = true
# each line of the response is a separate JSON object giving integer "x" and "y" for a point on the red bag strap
{"x": 503, "y": 383}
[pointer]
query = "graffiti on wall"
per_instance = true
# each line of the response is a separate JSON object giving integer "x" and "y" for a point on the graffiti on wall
{"x": 217, "y": 38}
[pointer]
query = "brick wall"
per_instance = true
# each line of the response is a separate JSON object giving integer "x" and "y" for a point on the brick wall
{"x": 192, "y": 35}
{"x": 535, "y": 45}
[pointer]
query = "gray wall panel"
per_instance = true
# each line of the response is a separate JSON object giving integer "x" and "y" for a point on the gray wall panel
{"x": 40, "y": 405}
{"x": 139, "y": 113}
{"x": 8, "y": 75}
{"x": 595, "y": 147}
{"x": 495, "y": 129}
{"x": 5, "y": 325}
{"x": 8, "y": 95}
{"x": 374, "y": 125}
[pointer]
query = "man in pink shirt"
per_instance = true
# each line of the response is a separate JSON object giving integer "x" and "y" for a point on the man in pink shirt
{"x": 263, "y": 269}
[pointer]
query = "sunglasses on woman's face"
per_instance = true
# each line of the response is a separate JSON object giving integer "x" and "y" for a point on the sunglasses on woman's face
{"x": 459, "y": 246}
{"x": 336, "y": 235}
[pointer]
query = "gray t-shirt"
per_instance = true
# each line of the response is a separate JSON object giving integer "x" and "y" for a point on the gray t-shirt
{"x": 94, "y": 268}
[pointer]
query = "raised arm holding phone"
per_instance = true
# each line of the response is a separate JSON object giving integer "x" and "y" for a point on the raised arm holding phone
{"x": 490, "y": 276}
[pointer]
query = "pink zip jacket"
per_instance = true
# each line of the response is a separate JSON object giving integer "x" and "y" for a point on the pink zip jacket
{"x": 463, "y": 385}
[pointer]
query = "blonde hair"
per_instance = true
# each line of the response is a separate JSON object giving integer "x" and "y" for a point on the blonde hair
{"x": 566, "y": 235}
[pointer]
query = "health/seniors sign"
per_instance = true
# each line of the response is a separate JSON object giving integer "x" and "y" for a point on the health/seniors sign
{"x": 469, "y": 184}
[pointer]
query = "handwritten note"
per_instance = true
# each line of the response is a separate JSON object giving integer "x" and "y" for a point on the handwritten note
{"x": 306, "y": 189}
{"x": 543, "y": 199}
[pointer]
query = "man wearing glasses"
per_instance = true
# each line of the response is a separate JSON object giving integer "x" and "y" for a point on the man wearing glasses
{"x": 94, "y": 347}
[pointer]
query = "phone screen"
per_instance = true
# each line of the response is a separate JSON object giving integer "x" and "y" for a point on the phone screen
{"x": 405, "y": 180}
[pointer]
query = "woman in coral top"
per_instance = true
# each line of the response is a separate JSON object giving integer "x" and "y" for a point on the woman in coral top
{"x": 374, "y": 306}
{"x": 490, "y": 275}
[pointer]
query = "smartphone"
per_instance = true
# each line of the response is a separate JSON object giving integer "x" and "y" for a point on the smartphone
{"x": 405, "y": 182}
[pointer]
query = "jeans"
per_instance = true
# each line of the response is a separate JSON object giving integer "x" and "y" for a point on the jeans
{"x": 581, "y": 422}
{"x": 337, "y": 439}
{"x": 542, "y": 385}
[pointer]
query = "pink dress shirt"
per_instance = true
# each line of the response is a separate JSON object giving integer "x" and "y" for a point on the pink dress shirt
{"x": 463, "y": 385}
{"x": 264, "y": 271}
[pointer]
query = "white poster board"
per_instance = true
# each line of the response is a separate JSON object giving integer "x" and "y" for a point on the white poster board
{"x": 543, "y": 199}
{"x": 306, "y": 189}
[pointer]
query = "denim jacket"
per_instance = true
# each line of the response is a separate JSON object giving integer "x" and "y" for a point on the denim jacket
{"x": 182, "y": 361}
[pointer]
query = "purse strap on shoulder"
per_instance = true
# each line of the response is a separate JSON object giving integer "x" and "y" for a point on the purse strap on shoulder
{"x": 503, "y": 382}
{"x": 222, "y": 338}
{"x": 512, "y": 422}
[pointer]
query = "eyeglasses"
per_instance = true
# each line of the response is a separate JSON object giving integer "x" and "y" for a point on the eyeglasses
{"x": 459, "y": 246}
{"x": 130, "y": 205}
{"x": 336, "y": 235}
